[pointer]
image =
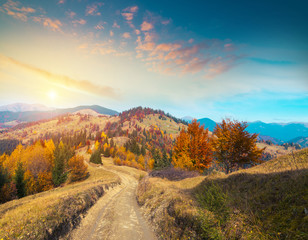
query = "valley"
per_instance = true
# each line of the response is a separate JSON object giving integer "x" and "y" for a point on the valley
{"x": 134, "y": 192}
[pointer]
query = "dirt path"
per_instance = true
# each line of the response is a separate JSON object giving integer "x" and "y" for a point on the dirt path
{"x": 115, "y": 216}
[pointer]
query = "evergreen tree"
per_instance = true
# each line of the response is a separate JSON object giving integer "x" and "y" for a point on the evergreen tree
{"x": 107, "y": 152}
{"x": 96, "y": 157}
{"x": 4, "y": 177}
{"x": 142, "y": 151}
{"x": 20, "y": 181}
{"x": 62, "y": 154}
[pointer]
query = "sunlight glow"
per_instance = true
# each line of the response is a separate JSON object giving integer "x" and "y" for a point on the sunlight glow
{"x": 52, "y": 95}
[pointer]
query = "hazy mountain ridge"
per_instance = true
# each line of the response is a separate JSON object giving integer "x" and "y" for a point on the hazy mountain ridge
{"x": 24, "y": 107}
{"x": 278, "y": 133}
{"x": 30, "y": 116}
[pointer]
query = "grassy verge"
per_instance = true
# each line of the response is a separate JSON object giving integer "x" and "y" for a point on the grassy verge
{"x": 269, "y": 201}
{"x": 50, "y": 214}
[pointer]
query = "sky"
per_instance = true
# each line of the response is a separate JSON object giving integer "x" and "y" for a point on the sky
{"x": 246, "y": 60}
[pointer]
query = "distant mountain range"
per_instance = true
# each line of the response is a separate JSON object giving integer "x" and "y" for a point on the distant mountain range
{"x": 24, "y": 107}
{"x": 11, "y": 115}
{"x": 277, "y": 133}
{"x": 23, "y": 113}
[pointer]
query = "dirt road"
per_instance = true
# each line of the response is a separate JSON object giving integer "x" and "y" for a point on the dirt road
{"x": 115, "y": 216}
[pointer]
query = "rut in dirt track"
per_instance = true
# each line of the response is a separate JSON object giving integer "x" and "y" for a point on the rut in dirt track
{"x": 115, "y": 216}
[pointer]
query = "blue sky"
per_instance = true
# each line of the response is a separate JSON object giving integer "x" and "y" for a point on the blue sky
{"x": 246, "y": 60}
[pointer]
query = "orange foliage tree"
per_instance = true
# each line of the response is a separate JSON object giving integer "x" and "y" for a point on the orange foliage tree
{"x": 192, "y": 149}
{"x": 78, "y": 170}
{"x": 234, "y": 146}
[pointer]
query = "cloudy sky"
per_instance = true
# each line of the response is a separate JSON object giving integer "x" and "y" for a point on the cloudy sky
{"x": 246, "y": 60}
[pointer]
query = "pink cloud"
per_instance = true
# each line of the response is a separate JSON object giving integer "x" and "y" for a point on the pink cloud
{"x": 186, "y": 52}
{"x": 195, "y": 65}
{"x": 93, "y": 9}
{"x": 54, "y": 25}
{"x": 111, "y": 33}
{"x": 191, "y": 40}
{"x": 146, "y": 26}
{"x": 128, "y": 16}
{"x": 126, "y": 35}
{"x": 11, "y": 8}
{"x": 133, "y": 9}
{"x": 137, "y": 32}
{"x": 146, "y": 46}
{"x": 165, "y": 22}
{"x": 100, "y": 25}
{"x": 61, "y": 1}
{"x": 115, "y": 25}
{"x": 71, "y": 14}
{"x": 129, "y": 13}
{"x": 80, "y": 21}
{"x": 149, "y": 37}
{"x": 166, "y": 47}
{"x": 221, "y": 65}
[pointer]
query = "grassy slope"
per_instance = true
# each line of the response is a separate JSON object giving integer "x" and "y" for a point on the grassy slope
{"x": 275, "y": 150}
{"x": 52, "y": 127}
{"x": 264, "y": 202}
{"x": 48, "y": 214}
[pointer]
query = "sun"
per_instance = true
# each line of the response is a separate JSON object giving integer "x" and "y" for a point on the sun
{"x": 52, "y": 95}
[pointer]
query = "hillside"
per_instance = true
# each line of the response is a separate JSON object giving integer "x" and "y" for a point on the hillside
{"x": 303, "y": 141}
{"x": 264, "y": 202}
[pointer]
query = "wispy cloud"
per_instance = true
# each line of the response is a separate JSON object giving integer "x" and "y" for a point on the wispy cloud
{"x": 13, "y": 9}
{"x": 93, "y": 9}
{"x": 80, "y": 21}
{"x": 64, "y": 81}
{"x": 61, "y": 1}
{"x": 146, "y": 26}
{"x": 25, "y": 13}
{"x": 129, "y": 14}
{"x": 115, "y": 25}
{"x": 54, "y": 25}
{"x": 271, "y": 62}
{"x": 126, "y": 35}
{"x": 100, "y": 25}
{"x": 70, "y": 14}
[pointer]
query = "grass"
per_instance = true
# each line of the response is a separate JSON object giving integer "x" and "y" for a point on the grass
{"x": 264, "y": 202}
{"x": 49, "y": 214}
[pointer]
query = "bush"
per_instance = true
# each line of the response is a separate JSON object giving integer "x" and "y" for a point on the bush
{"x": 96, "y": 157}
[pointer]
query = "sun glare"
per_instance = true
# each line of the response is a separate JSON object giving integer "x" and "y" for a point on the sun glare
{"x": 52, "y": 95}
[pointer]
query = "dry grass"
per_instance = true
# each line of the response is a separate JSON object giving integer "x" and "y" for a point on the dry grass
{"x": 264, "y": 202}
{"x": 275, "y": 150}
{"x": 46, "y": 215}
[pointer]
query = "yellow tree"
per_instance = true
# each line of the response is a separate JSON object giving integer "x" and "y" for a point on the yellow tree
{"x": 192, "y": 149}
{"x": 234, "y": 146}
